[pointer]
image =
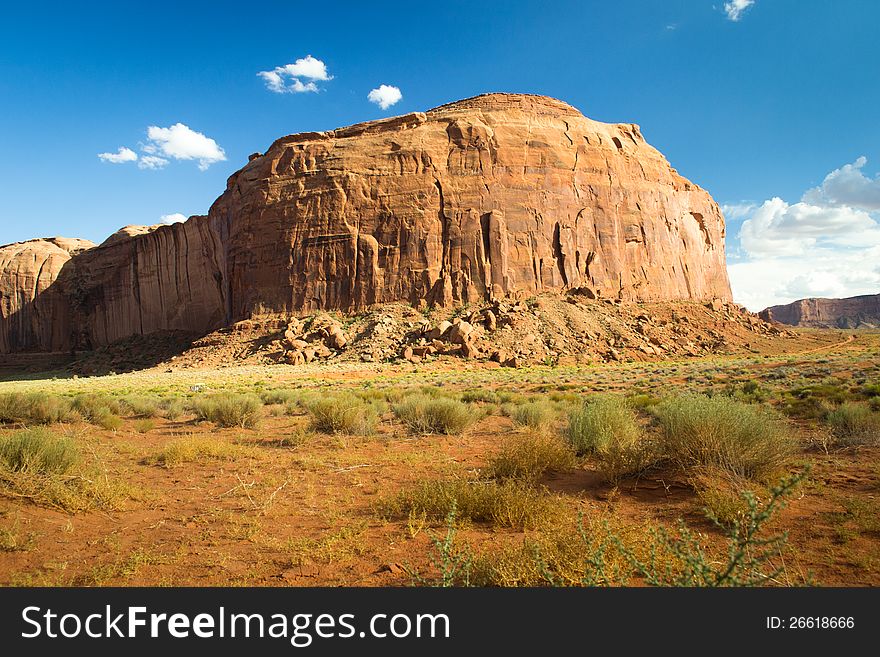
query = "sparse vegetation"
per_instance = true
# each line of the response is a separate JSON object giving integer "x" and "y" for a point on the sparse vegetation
{"x": 528, "y": 457}
{"x": 425, "y": 414}
{"x": 195, "y": 449}
{"x": 34, "y": 408}
{"x": 719, "y": 432}
{"x": 535, "y": 415}
{"x": 508, "y": 503}
{"x": 229, "y": 410}
{"x": 38, "y": 452}
{"x": 607, "y": 428}
{"x": 855, "y": 423}
{"x": 41, "y": 466}
{"x": 343, "y": 413}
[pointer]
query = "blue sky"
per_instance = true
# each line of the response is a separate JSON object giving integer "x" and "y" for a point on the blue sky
{"x": 759, "y": 108}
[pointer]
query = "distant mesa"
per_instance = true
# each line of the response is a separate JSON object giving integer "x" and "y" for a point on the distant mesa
{"x": 852, "y": 312}
{"x": 490, "y": 197}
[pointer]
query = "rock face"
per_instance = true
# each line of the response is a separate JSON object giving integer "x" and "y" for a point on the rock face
{"x": 852, "y": 312}
{"x": 33, "y": 313}
{"x": 498, "y": 195}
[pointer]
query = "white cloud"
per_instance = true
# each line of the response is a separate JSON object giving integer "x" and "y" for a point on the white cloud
{"x": 826, "y": 245}
{"x": 174, "y": 218}
{"x": 385, "y": 96}
{"x": 758, "y": 284}
{"x": 780, "y": 229}
{"x": 738, "y": 210}
{"x": 289, "y": 78}
{"x": 181, "y": 143}
{"x": 152, "y": 162}
{"x": 735, "y": 8}
{"x": 848, "y": 186}
{"x": 122, "y": 155}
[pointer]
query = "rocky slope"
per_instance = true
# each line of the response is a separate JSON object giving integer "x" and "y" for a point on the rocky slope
{"x": 498, "y": 196}
{"x": 852, "y": 312}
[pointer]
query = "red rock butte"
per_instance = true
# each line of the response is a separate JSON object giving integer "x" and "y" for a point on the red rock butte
{"x": 492, "y": 196}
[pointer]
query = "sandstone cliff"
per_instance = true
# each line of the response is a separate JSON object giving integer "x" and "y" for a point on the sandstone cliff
{"x": 852, "y": 312}
{"x": 33, "y": 313}
{"x": 498, "y": 195}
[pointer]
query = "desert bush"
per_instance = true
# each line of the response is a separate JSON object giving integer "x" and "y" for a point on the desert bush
{"x": 424, "y": 414}
{"x": 599, "y": 422}
{"x": 719, "y": 432}
{"x": 508, "y": 503}
{"x": 599, "y": 554}
{"x": 280, "y": 396}
{"x": 48, "y": 469}
{"x": 854, "y": 424}
{"x": 144, "y": 425}
{"x": 875, "y": 404}
{"x": 108, "y": 421}
{"x": 98, "y": 409}
{"x": 721, "y": 495}
{"x": 343, "y": 413}
{"x": 173, "y": 408}
{"x": 193, "y": 448}
{"x": 141, "y": 406}
{"x": 535, "y": 415}
{"x": 227, "y": 409}
{"x": 607, "y": 428}
{"x": 34, "y": 408}
{"x": 38, "y": 451}
{"x": 528, "y": 457}
{"x": 480, "y": 395}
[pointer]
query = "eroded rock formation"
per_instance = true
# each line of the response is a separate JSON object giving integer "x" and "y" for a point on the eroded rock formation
{"x": 852, "y": 312}
{"x": 498, "y": 195}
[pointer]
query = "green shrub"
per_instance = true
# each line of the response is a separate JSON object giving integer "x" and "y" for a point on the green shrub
{"x": 720, "y": 432}
{"x": 33, "y": 408}
{"x": 535, "y": 415}
{"x": 280, "y": 396}
{"x": 144, "y": 425}
{"x": 109, "y": 422}
{"x": 195, "y": 449}
{"x": 173, "y": 408}
{"x": 95, "y": 407}
{"x": 508, "y": 503}
{"x": 343, "y": 413}
{"x": 424, "y": 414}
{"x": 476, "y": 396}
{"x": 606, "y": 427}
{"x": 141, "y": 406}
{"x": 227, "y": 409}
{"x": 38, "y": 451}
{"x": 529, "y": 457}
{"x": 601, "y": 421}
{"x": 854, "y": 424}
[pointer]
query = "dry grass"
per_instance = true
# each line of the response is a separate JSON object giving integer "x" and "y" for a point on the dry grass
{"x": 343, "y": 413}
{"x": 743, "y": 440}
{"x": 529, "y": 457}
{"x": 48, "y": 469}
{"x": 425, "y": 414}
{"x": 508, "y": 503}
{"x": 228, "y": 409}
{"x": 854, "y": 424}
{"x": 34, "y": 408}
{"x": 196, "y": 449}
{"x": 608, "y": 429}
{"x": 534, "y": 415}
